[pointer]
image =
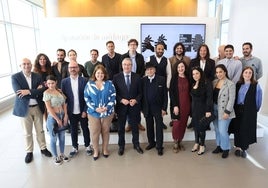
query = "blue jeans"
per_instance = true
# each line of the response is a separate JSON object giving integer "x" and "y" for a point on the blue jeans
{"x": 221, "y": 131}
{"x": 53, "y": 136}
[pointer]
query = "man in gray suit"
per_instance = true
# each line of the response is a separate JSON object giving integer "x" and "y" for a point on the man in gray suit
{"x": 29, "y": 107}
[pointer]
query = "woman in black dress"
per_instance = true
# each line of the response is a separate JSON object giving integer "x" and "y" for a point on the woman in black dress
{"x": 202, "y": 105}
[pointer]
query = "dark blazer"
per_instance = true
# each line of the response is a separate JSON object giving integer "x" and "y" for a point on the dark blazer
{"x": 161, "y": 94}
{"x": 67, "y": 91}
{"x": 135, "y": 92}
{"x": 65, "y": 73}
{"x": 139, "y": 60}
{"x": 21, "y": 105}
{"x": 209, "y": 68}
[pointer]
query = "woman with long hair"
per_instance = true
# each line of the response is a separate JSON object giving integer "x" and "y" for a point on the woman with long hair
{"x": 57, "y": 118}
{"x": 180, "y": 104}
{"x": 42, "y": 65}
{"x": 223, "y": 98}
{"x": 201, "y": 93}
{"x": 247, "y": 104}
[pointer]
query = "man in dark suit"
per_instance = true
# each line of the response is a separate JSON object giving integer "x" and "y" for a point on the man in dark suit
{"x": 137, "y": 60}
{"x": 154, "y": 105}
{"x": 29, "y": 107}
{"x": 128, "y": 104}
{"x": 73, "y": 88}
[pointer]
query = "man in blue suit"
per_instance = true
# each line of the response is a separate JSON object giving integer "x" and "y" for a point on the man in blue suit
{"x": 73, "y": 88}
{"x": 30, "y": 107}
{"x": 128, "y": 104}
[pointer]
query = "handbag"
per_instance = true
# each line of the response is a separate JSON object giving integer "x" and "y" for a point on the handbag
{"x": 205, "y": 121}
{"x": 57, "y": 128}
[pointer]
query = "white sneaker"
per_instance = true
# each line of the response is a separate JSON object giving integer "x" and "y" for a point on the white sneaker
{"x": 57, "y": 161}
{"x": 73, "y": 153}
{"x": 64, "y": 158}
{"x": 89, "y": 150}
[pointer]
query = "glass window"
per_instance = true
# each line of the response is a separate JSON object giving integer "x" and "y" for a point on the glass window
{"x": 211, "y": 8}
{"x": 224, "y": 33}
{"x": 5, "y": 82}
{"x": 1, "y": 11}
{"x": 4, "y": 52}
{"x": 226, "y": 9}
{"x": 24, "y": 46}
{"x": 22, "y": 15}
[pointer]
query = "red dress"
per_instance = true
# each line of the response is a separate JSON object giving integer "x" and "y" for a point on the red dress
{"x": 180, "y": 125}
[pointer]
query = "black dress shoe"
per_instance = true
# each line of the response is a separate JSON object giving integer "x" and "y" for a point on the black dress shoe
{"x": 160, "y": 152}
{"x": 95, "y": 158}
{"x": 121, "y": 151}
{"x": 217, "y": 150}
{"x": 237, "y": 153}
{"x": 150, "y": 146}
{"x": 29, "y": 157}
{"x": 225, "y": 154}
{"x": 138, "y": 149}
{"x": 46, "y": 152}
{"x": 243, "y": 154}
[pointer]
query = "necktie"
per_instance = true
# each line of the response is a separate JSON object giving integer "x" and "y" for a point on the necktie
{"x": 127, "y": 82}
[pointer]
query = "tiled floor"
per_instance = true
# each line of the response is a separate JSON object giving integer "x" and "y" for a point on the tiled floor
{"x": 184, "y": 169}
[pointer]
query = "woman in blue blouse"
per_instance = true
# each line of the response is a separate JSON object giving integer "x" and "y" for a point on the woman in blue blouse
{"x": 100, "y": 96}
{"x": 247, "y": 104}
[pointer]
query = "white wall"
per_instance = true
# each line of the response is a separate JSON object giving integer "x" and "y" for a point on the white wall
{"x": 248, "y": 23}
{"x": 83, "y": 34}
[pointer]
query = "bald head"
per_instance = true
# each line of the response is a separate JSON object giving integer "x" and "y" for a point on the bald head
{"x": 221, "y": 51}
{"x": 73, "y": 68}
{"x": 26, "y": 66}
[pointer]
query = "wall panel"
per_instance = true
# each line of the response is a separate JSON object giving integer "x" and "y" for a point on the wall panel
{"x": 87, "y": 8}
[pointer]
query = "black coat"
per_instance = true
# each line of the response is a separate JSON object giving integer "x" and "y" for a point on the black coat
{"x": 139, "y": 60}
{"x": 244, "y": 125}
{"x": 161, "y": 99}
{"x": 202, "y": 102}
{"x": 209, "y": 68}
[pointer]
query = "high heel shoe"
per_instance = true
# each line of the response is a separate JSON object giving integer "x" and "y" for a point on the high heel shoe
{"x": 95, "y": 158}
{"x": 201, "y": 150}
{"x": 194, "y": 149}
{"x": 105, "y": 155}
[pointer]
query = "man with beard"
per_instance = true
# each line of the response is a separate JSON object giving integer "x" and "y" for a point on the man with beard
{"x": 162, "y": 65}
{"x": 111, "y": 60}
{"x": 178, "y": 54}
{"x": 251, "y": 61}
{"x": 73, "y": 88}
{"x": 60, "y": 68}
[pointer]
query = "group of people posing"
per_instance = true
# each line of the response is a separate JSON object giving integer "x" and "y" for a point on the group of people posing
{"x": 123, "y": 86}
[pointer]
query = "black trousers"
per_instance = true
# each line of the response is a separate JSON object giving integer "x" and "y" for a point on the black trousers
{"x": 74, "y": 120}
{"x": 155, "y": 136}
{"x": 133, "y": 120}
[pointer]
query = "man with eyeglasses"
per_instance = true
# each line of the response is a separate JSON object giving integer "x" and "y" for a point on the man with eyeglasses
{"x": 73, "y": 88}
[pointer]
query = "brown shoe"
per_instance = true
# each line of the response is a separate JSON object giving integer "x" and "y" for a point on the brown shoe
{"x": 128, "y": 128}
{"x": 141, "y": 127}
